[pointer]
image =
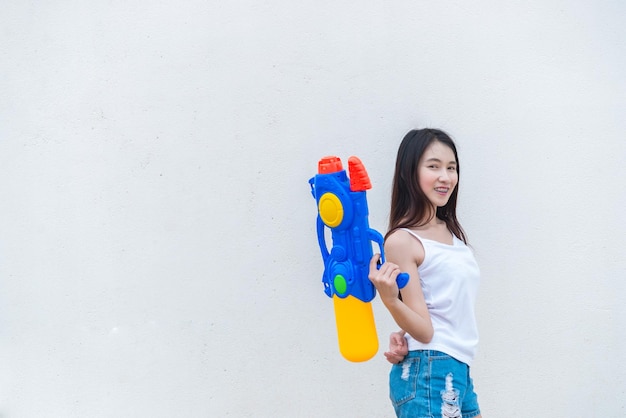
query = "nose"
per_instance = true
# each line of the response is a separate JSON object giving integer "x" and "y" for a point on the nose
{"x": 444, "y": 177}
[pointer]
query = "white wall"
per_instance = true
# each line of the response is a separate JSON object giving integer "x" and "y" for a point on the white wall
{"x": 157, "y": 247}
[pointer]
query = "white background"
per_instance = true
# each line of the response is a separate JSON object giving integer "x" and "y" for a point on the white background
{"x": 158, "y": 255}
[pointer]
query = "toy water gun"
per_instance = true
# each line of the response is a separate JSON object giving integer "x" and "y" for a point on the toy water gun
{"x": 342, "y": 207}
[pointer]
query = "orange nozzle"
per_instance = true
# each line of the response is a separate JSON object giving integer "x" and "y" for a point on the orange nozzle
{"x": 329, "y": 165}
{"x": 359, "y": 180}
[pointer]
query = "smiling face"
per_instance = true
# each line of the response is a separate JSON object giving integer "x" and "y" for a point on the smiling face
{"x": 438, "y": 176}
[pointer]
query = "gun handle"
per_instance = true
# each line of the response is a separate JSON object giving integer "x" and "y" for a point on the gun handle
{"x": 321, "y": 239}
{"x": 402, "y": 280}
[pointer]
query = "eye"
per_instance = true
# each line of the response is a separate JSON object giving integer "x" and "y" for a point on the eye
{"x": 452, "y": 168}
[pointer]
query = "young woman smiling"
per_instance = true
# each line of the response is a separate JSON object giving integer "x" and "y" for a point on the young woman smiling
{"x": 433, "y": 352}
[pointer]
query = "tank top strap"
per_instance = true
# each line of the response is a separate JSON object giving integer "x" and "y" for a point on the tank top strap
{"x": 412, "y": 233}
{"x": 455, "y": 240}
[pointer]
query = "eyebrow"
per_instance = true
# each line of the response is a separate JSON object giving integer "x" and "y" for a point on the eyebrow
{"x": 437, "y": 160}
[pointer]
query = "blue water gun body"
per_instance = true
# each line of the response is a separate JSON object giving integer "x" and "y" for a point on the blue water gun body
{"x": 342, "y": 207}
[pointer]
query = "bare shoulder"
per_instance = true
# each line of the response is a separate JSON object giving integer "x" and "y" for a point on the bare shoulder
{"x": 401, "y": 245}
{"x": 398, "y": 238}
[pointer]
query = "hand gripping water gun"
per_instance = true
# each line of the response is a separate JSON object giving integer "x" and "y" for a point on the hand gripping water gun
{"x": 342, "y": 207}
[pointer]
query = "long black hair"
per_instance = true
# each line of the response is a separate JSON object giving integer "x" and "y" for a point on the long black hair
{"x": 410, "y": 207}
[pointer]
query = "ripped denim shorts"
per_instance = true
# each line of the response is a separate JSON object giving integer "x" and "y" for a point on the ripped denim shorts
{"x": 429, "y": 384}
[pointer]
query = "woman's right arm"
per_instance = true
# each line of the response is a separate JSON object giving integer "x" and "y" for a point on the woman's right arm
{"x": 404, "y": 253}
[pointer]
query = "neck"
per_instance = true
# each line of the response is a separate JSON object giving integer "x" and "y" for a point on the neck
{"x": 431, "y": 220}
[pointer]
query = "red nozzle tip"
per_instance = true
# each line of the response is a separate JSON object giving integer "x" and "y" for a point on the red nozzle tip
{"x": 359, "y": 179}
{"x": 329, "y": 165}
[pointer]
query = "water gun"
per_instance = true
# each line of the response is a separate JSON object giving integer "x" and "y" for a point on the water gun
{"x": 342, "y": 207}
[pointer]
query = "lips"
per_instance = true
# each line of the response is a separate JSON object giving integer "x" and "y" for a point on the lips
{"x": 442, "y": 189}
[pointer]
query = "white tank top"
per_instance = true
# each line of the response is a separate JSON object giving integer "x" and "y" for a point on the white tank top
{"x": 450, "y": 277}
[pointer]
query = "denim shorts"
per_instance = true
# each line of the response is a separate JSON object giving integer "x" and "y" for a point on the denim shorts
{"x": 429, "y": 384}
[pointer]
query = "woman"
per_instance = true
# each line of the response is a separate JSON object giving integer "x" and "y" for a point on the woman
{"x": 433, "y": 353}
